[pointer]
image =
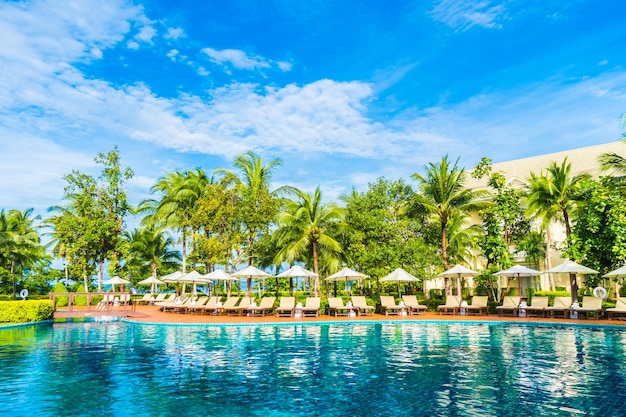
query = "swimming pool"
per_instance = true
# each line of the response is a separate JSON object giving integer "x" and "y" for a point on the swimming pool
{"x": 369, "y": 369}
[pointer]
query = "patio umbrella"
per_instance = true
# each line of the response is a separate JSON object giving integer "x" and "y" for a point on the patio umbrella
{"x": 572, "y": 268}
{"x": 295, "y": 272}
{"x": 399, "y": 275}
{"x": 346, "y": 274}
{"x": 458, "y": 271}
{"x": 518, "y": 271}
{"x": 115, "y": 280}
{"x": 152, "y": 281}
{"x": 219, "y": 275}
{"x": 250, "y": 272}
{"x": 173, "y": 277}
{"x": 192, "y": 277}
{"x": 617, "y": 273}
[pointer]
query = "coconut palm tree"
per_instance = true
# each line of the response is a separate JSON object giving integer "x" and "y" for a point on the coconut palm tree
{"x": 309, "y": 229}
{"x": 258, "y": 205}
{"x": 612, "y": 161}
{"x": 20, "y": 244}
{"x": 151, "y": 249}
{"x": 442, "y": 192}
{"x": 553, "y": 197}
{"x": 179, "y": 192}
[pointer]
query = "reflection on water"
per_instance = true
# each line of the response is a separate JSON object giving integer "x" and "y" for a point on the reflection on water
{"x": 113, "y": 368}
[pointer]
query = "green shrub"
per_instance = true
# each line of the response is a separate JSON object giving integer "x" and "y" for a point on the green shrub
{"x": 552, "y": 295}
{"x": 63, "y": 300}
{"x": 25, "y": 311}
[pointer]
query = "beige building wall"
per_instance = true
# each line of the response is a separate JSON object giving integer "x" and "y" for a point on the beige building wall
{"x": 517, "y": 172}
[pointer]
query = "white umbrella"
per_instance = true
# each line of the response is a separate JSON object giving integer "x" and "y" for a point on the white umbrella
{"x": 518, "y": 271}
{"x": 115, "y": 280}
{"x": 173, "y": 277}
{"x": 572, "y": 268}
{"x": 250, "y": 272}
{"x": 220, "y": 275}
{"x": 192, "y": 277}
{"x": 399, "y": 275}
{"x": 618, "y": 273}
{"x": 152, "y": 281}
{"x": 458, "y": 271}
{"x": 346, "y": 274}
{"x": 296, "y": 271}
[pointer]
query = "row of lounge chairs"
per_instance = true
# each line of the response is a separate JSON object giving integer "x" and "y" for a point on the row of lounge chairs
{"x": 455, "y": 305}
{"x": 513, "y": 306}
{"x": 561, "y": 307}
{"x": 241, "y": 306}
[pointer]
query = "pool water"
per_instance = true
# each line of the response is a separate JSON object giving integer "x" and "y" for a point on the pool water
{"x": 380, "y": 369}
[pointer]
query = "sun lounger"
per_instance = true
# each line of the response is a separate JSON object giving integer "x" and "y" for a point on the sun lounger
{"x": 410, "y": 301}
{"x": 336, "y": 307}
{"x": 479, "y": 305}
{"x": 229, "y": 303}
{"x": 509, "y": 306}
{"x": 311, "y": 307}
{"x": 620, "y": 308}
{"x": 239, "y": 308}
{"x": 453, "y": 302}
{"x": 591, "y": 305}
{"x": 285, "y": 307}
{"x": 538, "y": 306}
{"x": 388, "y": 306}
{"x": 561, "y": 306}
{"x": 266, "y": 306}
{"x": 359, "y": 302}
{"x": 195, "y": 306}
{"x": 213, "y": 306}
{"x": 172, "y": 302}
{"x": 160, "y": 297}
{"x": 146, "y": 299}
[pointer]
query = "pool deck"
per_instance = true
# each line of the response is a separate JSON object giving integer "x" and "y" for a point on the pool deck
{"x": 151, "y": 314}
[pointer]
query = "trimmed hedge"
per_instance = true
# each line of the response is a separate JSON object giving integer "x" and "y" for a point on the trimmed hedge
{"x": 25, "y": 311}
{"x": 551, "y": 295}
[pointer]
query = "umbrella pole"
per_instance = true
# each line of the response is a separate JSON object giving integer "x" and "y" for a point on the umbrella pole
{"x": 458, "y": 285}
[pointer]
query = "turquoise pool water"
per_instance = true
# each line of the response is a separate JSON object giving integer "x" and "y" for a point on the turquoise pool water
{"x": 120, "y": 369}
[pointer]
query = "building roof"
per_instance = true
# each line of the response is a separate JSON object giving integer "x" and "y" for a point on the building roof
{"x": 582, "y": 160}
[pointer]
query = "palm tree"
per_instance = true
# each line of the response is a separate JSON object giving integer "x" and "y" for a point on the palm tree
{"x": 441, "y": 192}
{"x": 258, "y": 204}
{"x": 553, "y": 197}
{"x": 175, "y": 209}
{"x": 309, "y": 229}
{"x": 151, "y": 249}
{"x": 612, "y": 161}
{"x": 19, "y": 240}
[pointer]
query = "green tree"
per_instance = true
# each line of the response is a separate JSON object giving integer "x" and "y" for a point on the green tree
{"x": 384, "y": 231}
{"x": 176, "y": 206}
{"x": 307, "y": 228}
{"x": 442, "y": 192}
{"x": 20, "y": 245}
{"x": 150, "y": 250}
{"x": 257, "y": 205}
{"x": 599, "y": 235}
{"x": 555, "y": 196}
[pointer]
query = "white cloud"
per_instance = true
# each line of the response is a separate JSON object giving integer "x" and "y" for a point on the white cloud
{"x": 146, "y": 34}
{"x": 172, "y": 53}
{"x": 174, "y": 33}
{"x": 237, "y": 58}
{"x": 132, "y": 45}
{"x": 463, "y": 15}
{"x": 241, "y": 60}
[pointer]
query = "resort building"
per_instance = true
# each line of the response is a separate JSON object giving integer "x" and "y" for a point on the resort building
{"x": 517, "y": 173}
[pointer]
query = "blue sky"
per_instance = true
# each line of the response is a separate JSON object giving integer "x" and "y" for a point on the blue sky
{"x": 342, "y": 91}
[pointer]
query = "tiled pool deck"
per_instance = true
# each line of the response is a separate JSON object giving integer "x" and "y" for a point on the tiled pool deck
{"x": 151, "y": 314}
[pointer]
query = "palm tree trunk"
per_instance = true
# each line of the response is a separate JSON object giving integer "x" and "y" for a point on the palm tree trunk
{"x": 548, "y": 258}
{"x": 100, "y": 272}
{"x": 444, "y": 255}
{"x": 316, "y": 269}
{"x": 13, "y": 275}
{"x": 572, "y": 277}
